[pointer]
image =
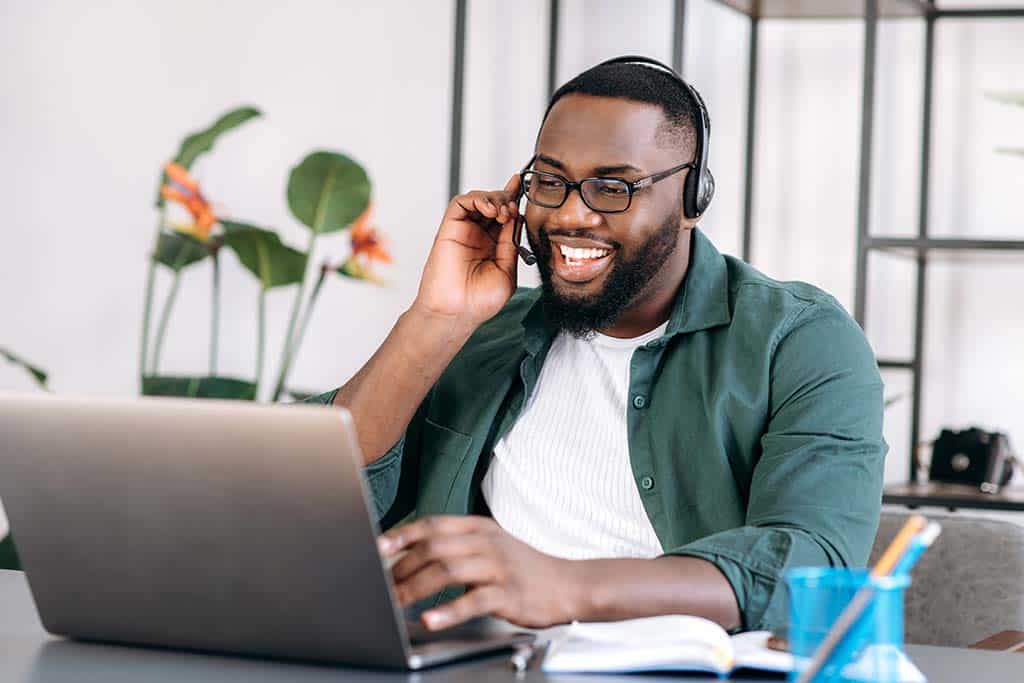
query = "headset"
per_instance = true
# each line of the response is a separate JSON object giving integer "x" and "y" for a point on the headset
{"x": 699, "y": 187}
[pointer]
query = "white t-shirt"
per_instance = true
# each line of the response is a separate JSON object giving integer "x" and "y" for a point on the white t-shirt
{"x": 560, "y": 479}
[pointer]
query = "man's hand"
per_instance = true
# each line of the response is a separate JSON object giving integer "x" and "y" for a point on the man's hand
{"x": 471, "y": 270}
{"x": 504, "y": 577}
{"x": 470, "y": 274}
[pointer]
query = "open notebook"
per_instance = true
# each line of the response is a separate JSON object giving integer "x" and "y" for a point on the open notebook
{"x": 679, "y": 643}
{"x": 676, "y": 643}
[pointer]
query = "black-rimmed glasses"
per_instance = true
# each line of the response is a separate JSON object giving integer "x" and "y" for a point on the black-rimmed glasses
{"x": 604, "y": 195}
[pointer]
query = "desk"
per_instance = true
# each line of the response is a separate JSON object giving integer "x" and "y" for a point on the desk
{"x": 952, "y": 496}
{"x": 28, "y": 654}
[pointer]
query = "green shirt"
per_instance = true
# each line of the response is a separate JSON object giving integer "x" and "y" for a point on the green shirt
{"x": 754, "y": 427}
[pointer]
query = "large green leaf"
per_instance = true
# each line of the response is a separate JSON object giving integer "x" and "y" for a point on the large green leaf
{"x": 201, "y": 141}
{"x": 199, "y": 387}
{"x": 176, "y": 250}
{"x": 37, "y": 374}
{"x": 262, "y": 252}
{"x": 327, "y": 191}
{"x": 8, "y": 554}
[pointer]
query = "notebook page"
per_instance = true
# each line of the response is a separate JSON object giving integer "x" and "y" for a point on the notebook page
{"x": 681, "y": 643}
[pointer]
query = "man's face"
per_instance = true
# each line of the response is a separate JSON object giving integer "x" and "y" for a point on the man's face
{"x": 587, "y": 136}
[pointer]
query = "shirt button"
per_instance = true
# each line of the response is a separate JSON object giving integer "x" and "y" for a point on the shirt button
{"x": 647, "y": 483}
{"x": 639, "y": 401}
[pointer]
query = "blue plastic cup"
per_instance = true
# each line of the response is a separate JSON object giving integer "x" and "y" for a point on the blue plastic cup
{"x": 873, "y": 647}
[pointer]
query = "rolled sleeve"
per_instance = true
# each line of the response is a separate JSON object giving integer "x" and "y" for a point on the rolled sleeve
{"x": 816, "y": 490}
{"x": 324, "y": 399}
{"x": 390, "y": 478}
{"x": 383, "y": 476}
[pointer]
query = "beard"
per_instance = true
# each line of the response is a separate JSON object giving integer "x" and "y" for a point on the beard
{"x": 582, "y": 316}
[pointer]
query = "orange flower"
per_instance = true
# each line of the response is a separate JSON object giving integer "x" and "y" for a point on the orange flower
{"x": 184, "y": 190}
{"x": 366, "y": 240}
{"x": 367, "y": 247}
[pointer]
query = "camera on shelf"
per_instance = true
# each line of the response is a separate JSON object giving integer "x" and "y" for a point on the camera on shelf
{"x": 972, "y": 456}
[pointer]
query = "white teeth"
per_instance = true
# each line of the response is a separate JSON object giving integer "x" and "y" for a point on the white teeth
{"x": 581, "y": 254}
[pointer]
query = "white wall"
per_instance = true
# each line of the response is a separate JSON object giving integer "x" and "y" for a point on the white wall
{"x": 97, "y": 96}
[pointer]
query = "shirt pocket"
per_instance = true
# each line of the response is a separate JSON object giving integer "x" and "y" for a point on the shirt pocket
{"x": 443, "y": 451}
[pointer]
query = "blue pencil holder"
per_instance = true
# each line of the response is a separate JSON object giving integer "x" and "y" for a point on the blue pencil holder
{"x": 872, "y": 649}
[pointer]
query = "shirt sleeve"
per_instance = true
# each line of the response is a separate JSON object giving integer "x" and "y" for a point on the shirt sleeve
{"x": 392, "y": 477}
{"x": 816, "y": 490}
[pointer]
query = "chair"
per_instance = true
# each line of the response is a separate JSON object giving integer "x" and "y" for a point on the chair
{"x": 968, "y": 586}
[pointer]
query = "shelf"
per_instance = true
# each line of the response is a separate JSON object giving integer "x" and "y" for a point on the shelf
{"x": 981, "y": 13}
{"x": 888, "y": 364}
{"x": 952, "y": 496}
{"x": 825, "y": 9}
{"x": 854, "y": 9}
{"x": 947, "y": 243}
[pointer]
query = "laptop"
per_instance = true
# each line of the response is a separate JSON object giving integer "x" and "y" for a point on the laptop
{"x": 215, "y": 526}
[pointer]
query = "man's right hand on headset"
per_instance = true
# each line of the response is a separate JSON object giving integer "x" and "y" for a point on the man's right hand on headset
{"x": 471, "y": 270}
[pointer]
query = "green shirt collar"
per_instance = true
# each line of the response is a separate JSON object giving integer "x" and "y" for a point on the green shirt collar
{"x": 702, "y": 301}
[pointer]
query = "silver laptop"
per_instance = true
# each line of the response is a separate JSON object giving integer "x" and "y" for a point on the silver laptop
{"x": 208, "y": 525}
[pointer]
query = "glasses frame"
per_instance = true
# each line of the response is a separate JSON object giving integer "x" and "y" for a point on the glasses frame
{"x": 631, "y": 185}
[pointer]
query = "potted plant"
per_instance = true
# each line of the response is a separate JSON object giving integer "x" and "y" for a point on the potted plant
{"x": 327, "y": 192}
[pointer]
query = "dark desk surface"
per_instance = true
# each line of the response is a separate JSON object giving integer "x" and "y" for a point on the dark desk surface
{"x": 27, "y": 653}
{"x": 953, "y": 496}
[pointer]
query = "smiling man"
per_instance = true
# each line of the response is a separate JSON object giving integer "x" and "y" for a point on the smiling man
{"x": 656, "y": 429}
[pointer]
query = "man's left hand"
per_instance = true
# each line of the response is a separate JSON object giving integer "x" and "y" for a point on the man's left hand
{"x": 504, "y": 577}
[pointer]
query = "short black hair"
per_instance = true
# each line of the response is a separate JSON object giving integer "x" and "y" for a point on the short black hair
{"x": 641, "y": 83}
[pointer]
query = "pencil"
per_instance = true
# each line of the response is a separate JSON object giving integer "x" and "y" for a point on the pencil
{"x": 860, "y": 600}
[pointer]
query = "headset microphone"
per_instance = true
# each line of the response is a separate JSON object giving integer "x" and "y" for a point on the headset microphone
{"x": 527, "y": 255}
{"x": 517, "y": 233}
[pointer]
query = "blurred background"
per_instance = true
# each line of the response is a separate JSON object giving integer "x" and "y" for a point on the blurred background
{"x": 97, "y": 97}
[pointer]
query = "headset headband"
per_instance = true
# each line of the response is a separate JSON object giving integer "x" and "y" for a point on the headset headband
{"x": 703, "y": 126}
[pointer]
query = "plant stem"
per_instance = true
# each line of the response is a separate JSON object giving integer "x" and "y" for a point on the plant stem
{"x": 147, "y": 306}
{"x": 164, "y": 317}
{"x": 309, "y": 311}
{"x": 261, "y": 334}
{"x": 215, "y": 313}
{"x": 286, "y": 354}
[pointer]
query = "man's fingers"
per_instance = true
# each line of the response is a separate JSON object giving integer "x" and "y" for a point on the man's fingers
{"x": 506, "y": 253}
{"x": 475, "y": 203}
{"x": 497, "y": 205}
{"x": 398, "y": 539}
{"x": 438, "y": 548}
{"x": 485, "y": 206}
{"x": 476, "y": 603}
{"x": 512, "y": 185}
{"x": 438, "y": 575}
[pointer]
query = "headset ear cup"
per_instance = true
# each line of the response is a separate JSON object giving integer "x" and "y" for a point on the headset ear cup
{"x": 690, "y": 195}
{"x": 706, "y": 191}
{"x": 698, "y": 191}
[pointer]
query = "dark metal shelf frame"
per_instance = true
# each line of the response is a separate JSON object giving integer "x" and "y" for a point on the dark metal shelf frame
{"x": 871, "y": 12}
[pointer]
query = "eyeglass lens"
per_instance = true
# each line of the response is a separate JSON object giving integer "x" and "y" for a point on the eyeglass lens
{"x": 600, "y": 194}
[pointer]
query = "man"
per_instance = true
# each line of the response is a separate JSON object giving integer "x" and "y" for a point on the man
{"x": 656, "y": 429}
